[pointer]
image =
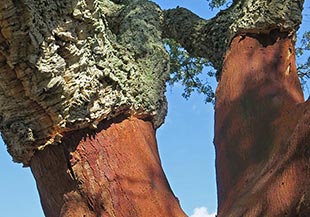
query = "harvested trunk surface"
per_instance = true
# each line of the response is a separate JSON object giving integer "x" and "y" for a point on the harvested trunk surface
{"x": 262, "y": 129}
{"x": 113, "y": 171}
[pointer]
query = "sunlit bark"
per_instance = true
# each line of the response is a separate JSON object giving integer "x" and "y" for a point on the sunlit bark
{"x": 112, "y": 171}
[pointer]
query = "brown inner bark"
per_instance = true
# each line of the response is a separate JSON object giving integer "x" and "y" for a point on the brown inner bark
{"x": 262, "y": 154}
{"x": 113, "y": 171}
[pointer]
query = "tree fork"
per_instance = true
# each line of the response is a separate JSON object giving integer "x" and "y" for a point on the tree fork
{"x": 112, "y": 172}
{"x": 68, "y": 65}
{"x": 262, "y": 130}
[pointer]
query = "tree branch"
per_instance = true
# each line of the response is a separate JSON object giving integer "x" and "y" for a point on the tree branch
{"x": 210, "y": 38}
{"x": 198, "y": 36}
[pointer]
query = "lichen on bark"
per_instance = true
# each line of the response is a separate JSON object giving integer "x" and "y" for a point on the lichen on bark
{"x": 63, "y": 68}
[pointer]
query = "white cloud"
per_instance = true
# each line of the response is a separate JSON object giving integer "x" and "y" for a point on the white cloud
{"x": 202, "y": 212}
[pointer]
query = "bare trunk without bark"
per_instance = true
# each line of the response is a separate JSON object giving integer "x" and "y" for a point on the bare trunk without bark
{"x": 262, "y": 130}
{"x": 113, "y": 171}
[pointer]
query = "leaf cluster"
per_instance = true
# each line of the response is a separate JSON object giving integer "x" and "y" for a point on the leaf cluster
{"x": 216, "y": 3}
{"x": 187, "y": 70}
{"x": 303, "y": 51}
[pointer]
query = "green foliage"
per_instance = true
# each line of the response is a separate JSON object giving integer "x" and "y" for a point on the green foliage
{"x": 303, "y": 51}
{"x": 187, "y": 70}
{"x": 216, "y": 3}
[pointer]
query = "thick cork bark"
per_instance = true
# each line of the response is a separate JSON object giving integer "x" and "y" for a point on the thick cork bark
{"x": 262, "y": 130}
{"x": 113, "y": 171}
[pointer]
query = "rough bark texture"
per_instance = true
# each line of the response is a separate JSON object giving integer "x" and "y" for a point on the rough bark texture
{"x": 262, "y": 135}
{"x": 113, "y": 171}
{"x": 67, "y": 65}
{"x": 211, "y": 38}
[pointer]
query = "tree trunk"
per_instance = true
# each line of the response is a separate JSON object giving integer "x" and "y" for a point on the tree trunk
{"x": 261, "y": 122}
{"x": 262, "y": 130}
{"x": 112, "y": 171}
{"x": 68, "y": 67}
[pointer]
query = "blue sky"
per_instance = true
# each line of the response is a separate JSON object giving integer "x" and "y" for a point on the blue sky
{"x": 185, "y": 143}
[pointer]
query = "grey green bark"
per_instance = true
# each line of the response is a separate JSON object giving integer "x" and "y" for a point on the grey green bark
{"x": 66, "y": 66}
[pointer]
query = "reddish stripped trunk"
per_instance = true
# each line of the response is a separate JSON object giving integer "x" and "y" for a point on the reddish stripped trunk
{"x": 115, "y": 171}
{"x": 262, "y": 130}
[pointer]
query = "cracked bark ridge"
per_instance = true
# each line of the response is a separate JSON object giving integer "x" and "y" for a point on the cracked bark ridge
{"x": 211, "y": 38}
{"x": 64, "y": 68}
{"x": 115, "y": 171}
{"x": 262, "y": 130}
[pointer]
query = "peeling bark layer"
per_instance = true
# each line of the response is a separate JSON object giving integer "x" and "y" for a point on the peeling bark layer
{"x": 113, "y": 171}
{"x": 262, "y": 133}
